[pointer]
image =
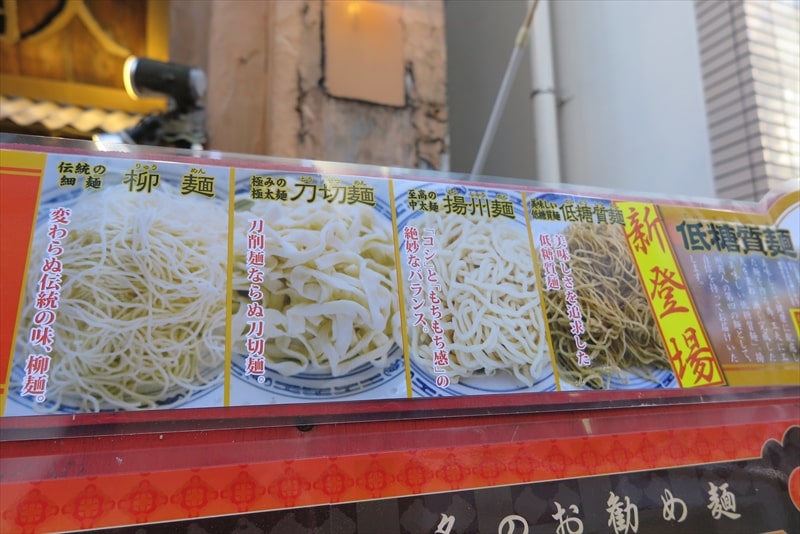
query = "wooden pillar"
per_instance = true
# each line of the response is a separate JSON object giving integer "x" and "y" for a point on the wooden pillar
{"x": 267, "y": 89}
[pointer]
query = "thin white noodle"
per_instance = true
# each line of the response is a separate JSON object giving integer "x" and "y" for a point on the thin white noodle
{"x": 329, "y": 286}
{"x": 141, "y": 316}
{"x": 492, "y": 318}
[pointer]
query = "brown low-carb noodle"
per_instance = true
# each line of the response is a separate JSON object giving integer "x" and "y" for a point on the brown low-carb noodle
{"x": 621, "y": 334}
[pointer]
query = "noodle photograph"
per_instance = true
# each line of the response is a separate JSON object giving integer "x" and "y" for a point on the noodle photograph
{"x": 473, "y": 312}
{"x": 610, "y": 322}
{"x": 315, "y": 305}
{"x": 125, "y": 302}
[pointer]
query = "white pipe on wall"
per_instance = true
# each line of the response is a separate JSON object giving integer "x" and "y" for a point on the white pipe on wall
{"x": 505, "y": 88}
{"x": 543, "y": 98}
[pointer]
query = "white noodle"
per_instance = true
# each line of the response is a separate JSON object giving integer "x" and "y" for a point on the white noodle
{"x": 141, "y": 317}
{"x": 329, "y": 287}
{"x": 491, "y": 314}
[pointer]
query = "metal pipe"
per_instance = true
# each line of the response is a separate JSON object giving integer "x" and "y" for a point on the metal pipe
{"x": 544, "y": 100}
{"x": 502, "y": 94}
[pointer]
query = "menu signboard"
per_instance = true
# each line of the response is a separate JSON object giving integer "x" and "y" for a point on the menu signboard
{"x": 139, "y": 283}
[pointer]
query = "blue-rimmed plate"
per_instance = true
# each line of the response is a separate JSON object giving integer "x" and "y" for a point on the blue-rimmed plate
{"x": 54, "y": 196}
{"x": 208, "y": 396}
{"x": 365, "y": 381}
{"x": 423, "y": 381}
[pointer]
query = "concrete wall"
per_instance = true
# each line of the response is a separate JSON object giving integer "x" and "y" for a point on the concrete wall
{"x": 628, "y": 78}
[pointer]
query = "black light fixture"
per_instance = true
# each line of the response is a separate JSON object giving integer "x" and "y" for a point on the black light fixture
{"x": 144, "y": 77}
{"x": 183, "y": 124}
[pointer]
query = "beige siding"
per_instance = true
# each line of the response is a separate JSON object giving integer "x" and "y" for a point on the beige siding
{"x": 751, "y": 78}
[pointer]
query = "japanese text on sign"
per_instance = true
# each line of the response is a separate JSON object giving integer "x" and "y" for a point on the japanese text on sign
{"x": 425, "y": 288}
{"x": 48, "y": 295}
{"x": 554, "y": 252}
{"x": 71, "y": 173}
{"x": 736, "y": 238}
{"x": 548, "y": 210}
{"x": 255, "y": 363}
{"x": 197, "y": 182}
{"x": 622, "y": 514}
{"x": 142, "y": 178}
{"x": 331, "y": 190}
{"x": 687, "y": 344}
{"x": 476, "y": 203}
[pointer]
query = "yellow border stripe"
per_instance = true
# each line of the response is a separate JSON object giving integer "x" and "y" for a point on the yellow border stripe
{"x": 229, "y": 292}
{"x": 685, "y": 339}
{"x": 536, "y": 275}
{"x": 400, "y": 293}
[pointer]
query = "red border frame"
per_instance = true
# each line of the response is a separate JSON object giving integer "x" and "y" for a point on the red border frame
{"x": 105, "y": 481}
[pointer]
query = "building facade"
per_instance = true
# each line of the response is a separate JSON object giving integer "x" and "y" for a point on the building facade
{"x": 750, "y": 56}
{"x": 667, "y": 97}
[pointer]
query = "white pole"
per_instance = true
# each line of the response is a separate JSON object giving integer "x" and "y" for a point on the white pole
{"x": 543, "y": 100}
{"x": 502, "y": 94}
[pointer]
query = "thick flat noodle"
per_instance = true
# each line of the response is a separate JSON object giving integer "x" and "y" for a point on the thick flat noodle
{"x": 492, "y": 317}
{"x": 329, "y": 287}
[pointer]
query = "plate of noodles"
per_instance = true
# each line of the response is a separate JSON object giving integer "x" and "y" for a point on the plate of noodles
{"x": 140, "y": 321}
{"x": 491, "y": 311}
{"x": 622, "y": 337}
{"x": 331, "y": 323}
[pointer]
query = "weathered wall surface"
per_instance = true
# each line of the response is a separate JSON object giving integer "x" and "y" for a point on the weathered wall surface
{"x": 267, "y": 90}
